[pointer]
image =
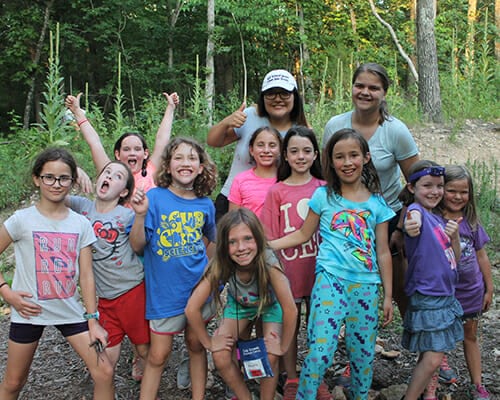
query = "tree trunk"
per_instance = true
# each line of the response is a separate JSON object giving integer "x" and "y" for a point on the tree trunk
{"x": 306, "y": 82}
{"x": 36, "y": 60}
{"x": 209, "y": 85}
{"x": 354, "y": 26}
{"x": 429, "y": 95}
{"x": 469, "y": 45}
{"x": 173, "y": 20}
{"x": 411, "y": 82}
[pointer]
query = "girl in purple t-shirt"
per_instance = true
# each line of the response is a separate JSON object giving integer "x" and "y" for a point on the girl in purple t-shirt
{"x": 432, "y": 323}
{"x": 474, "y": 290}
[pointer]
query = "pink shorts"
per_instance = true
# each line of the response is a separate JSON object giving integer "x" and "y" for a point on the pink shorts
{"x": 125, "y": 315}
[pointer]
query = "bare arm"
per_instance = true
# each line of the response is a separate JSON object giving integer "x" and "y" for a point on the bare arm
{"x": 300, "y": 236}
{"x": 193, "y": 314}
{"x": 281, "y": 288}
{"x": 384, "y": 260}
{"x": 222, "y": 134}
{"x": 412, "y": 223}
{"x": 451, "y": 229}
{"x": 485, "y": 267}
{"x": 165, "y": 129}
{"x": 87, "y": 286}
{"x": 406, "y": 164}
{"x": 137, "y": 236}
{"x": 99, "y": 155}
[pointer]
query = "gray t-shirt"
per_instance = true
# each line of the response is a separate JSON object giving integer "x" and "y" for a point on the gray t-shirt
{"x": 117, "y": 268}
{"x": 47, "y": 263}
{"x": 247, "y": 293}
{"x": 241, "y": 160}
{"x": 391, "y": 142}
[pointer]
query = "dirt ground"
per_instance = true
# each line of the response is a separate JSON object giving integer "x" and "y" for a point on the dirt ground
{"x": 58, "y": 374}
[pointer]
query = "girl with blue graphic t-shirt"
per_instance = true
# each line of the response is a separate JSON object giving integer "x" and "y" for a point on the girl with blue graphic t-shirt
{"x": 174, "y": 224}
{"x": 353, "y": 259}
{"x": 432, "y": 323}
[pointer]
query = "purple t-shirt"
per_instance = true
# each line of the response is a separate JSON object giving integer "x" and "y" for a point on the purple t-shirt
{"x": 470, "y": 287}
{"x": 432, "y": 268}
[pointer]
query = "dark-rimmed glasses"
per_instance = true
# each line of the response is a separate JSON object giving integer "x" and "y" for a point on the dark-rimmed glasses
{"x": 50, "y": 180}
{"x": 282, "y": 94}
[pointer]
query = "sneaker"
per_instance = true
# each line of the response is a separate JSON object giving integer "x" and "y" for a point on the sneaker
{"x": 323, "y": 393}
{"x": 290, "y": 390}
{"x": 446, "y": 373}
{"x": 478, "y": 392}
{"x": 183, "y": 377}
{"x": 344, "y": 380}
{"x": 137, "y": 369}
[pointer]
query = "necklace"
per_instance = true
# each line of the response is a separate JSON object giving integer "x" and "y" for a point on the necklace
{"x": 188, "y": 189}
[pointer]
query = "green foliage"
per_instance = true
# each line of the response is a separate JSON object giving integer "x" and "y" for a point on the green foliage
{"x": 54, "y": 129}
{"x": 486, "y": 185}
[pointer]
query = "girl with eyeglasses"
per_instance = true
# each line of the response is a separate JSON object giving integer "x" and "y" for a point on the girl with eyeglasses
{"x": 279, "y": 106}
{"x": 53, "y": 247}
{"x": 432, "y": 323}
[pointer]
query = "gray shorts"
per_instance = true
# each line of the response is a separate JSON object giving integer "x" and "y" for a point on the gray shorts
{"x": 176, "y": 324}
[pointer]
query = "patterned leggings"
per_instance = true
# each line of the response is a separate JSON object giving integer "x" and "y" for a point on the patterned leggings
{"x": 335, "y": 301}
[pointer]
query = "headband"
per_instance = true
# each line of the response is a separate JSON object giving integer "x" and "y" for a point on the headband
{"x": 433, "y": 171}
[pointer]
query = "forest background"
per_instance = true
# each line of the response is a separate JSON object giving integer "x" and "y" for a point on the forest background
{"x": 122, "y": 54}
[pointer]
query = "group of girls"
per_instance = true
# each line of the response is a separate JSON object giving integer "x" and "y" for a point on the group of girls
{"x": 173, "y": 227}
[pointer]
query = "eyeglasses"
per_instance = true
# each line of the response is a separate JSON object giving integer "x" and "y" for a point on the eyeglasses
{"x": 282, "y": 94}
{"x": 432, "y": 171}
{"x": 50, "y": 180}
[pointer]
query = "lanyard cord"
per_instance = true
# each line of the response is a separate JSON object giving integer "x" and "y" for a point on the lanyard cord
{"x": 237, "y": 305}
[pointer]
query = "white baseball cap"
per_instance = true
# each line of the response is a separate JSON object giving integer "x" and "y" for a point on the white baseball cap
{"x": 279, "y": 78}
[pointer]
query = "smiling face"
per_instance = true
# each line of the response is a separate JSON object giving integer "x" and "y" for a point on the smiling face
{"x": 278, "y": 103}
{"x": 54, "y": 193}
{"x": 132, "y": 153}
{"x": 185, "y": 165}
{"x": 112, "y": 182}
{"x": 300, "y": 154}
{"x": 456, "y": 197}
{"x": 242, "y": 245}
{"x": 348, "y": 160}
{"x": 367, "y": 92}
{"x": 265, "y": 149}
{"x": 428, "y": 191}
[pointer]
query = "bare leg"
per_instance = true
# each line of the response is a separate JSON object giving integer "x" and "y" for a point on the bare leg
{"x": 399, "y": 266}
{"x": 19, "y": 359}
{"x": 472, "y": 351}
{"x": 428, "y": 363}
{"x": 197, "y": 365}
{"x": 226, "y": 363}
{"x": 159, "y": 351}
{"x": 101, "y": 370}
{"x": 268, "y": 385}
{"x": 290, "y": 357}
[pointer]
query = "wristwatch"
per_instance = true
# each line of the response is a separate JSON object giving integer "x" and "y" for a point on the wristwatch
{"x": 88, "y": 316}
